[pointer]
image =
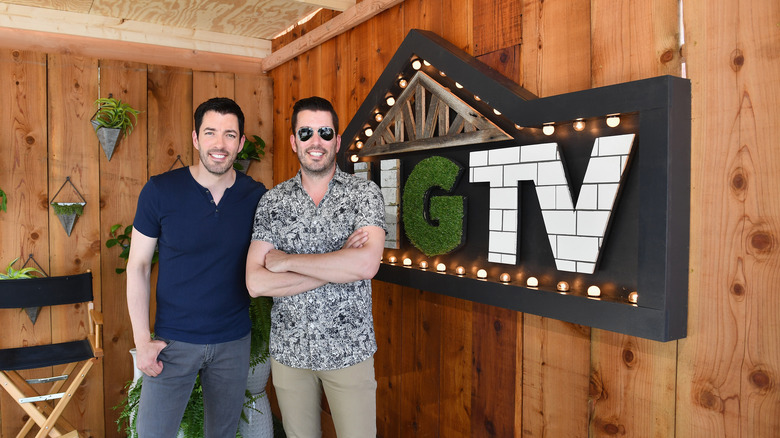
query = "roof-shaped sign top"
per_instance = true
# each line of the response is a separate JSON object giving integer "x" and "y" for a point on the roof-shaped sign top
{"x": 432, "y": 95}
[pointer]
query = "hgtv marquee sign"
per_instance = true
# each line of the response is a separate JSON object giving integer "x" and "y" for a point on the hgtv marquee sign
{"x": 573, "y": 207}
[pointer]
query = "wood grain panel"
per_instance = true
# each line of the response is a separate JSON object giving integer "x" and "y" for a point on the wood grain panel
{"x": 634, "y": 40}
{"x": 170, "y": 118}
{"x": 24, "y": 226}
{"x": 456, "y": 369}
{"x": 388, "y": 323}
{"x": 254, "y": 93}
{"x": 495, "y": 334}
{"x": 237, "y": 17}
{"x": 422, "y": 14}
{"x": 555, "y": 364}
{"x": 556, "y": 50}
{"x": 121, "y": 180}
{"x": 497, "y": 25}
{"x": 728, "y": 364}
{"x": 74, "y": 152}
{"x": 281, "y": 129}
{"x": 420, "y": 363}
{"x": 628, "y": 43}
{"x": 555, "y": 379}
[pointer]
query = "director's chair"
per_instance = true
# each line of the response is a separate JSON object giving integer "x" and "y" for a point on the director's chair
{"x": 45, "y": 408}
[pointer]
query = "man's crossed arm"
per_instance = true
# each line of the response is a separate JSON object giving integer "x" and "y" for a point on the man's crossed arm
{"x": 270, "y": 272}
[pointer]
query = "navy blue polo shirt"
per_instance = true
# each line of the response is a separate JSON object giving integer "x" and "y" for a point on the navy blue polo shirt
{"x": 201, "y": 287}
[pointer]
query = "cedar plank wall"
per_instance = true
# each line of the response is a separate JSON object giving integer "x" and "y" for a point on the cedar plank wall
{"x": 447, "y": 367}
{"x": 35, "y": 158}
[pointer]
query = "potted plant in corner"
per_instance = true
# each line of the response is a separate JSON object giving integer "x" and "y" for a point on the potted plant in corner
{"x": 253, "y": 149}
{"x": 112, "y": 119}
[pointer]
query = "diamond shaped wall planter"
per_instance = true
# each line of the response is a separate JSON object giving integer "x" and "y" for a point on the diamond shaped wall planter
{"x": 109, "y": 137}
{"x": 68, "y": 211}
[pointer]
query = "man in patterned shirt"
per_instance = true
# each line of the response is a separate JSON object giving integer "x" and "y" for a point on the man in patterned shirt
{"x": 317, "y": 242}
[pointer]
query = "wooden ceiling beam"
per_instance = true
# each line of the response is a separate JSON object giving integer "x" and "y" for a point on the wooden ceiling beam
{"x": 126, "y": 51}
{"x": 339, "y": 24}
{"x": 336, "y": 5}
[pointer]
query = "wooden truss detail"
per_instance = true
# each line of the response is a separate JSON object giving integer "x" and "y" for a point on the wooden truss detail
{"x": 428, "y": 116}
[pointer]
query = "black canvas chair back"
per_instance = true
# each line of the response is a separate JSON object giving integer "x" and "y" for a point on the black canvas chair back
{"x": 45, "y": 407}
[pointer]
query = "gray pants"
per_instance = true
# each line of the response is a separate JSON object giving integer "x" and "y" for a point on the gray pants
{"x": 223, "y": 373}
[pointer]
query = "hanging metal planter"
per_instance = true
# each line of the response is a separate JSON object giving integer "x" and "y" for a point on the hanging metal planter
{"x": 108, "y": 137}
{"x": 112, "y": 118}
{"x": 32, "y": 312}
{"x": 68, "y": 212}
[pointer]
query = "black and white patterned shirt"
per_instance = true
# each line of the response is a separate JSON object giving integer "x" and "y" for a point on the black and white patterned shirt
{"x": 330, "y": 327}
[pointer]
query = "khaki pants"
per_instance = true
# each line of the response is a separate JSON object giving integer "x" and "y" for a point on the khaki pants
{"x": 351, "y": 396}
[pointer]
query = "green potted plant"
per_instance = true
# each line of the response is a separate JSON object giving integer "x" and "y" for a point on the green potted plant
{"x": 112, "y": 119}
{"x": 14, "y": 274}
{"x": 254, "y": 149}
{"x": 3, "y": 201}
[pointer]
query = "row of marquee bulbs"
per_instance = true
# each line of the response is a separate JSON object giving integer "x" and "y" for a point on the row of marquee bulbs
{"x": 531, "y": 282}
{"x": 612, "y": 120}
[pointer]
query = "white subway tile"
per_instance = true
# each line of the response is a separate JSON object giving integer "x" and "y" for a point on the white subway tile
{"x": 509, "y": 155}
{"x": 559, "y": 221}
{"x": 539, "y": 152}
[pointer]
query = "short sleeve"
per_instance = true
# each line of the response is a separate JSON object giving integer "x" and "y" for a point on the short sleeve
{"x": 147, "y": 215}
{"x": 371, "y": 211}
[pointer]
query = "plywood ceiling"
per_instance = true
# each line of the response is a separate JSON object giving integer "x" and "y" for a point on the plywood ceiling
{"x": 238, "y": 27}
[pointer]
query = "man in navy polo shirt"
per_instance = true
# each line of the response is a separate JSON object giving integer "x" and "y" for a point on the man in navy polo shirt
{"x": 200, "y": 219}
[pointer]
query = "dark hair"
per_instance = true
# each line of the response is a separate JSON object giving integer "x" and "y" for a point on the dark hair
{"x": 314, "y": 103}
{"x": 221, "y": 105}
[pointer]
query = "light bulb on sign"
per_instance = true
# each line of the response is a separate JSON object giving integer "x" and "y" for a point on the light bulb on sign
{"x": 424, "y": 264}
{"x": 579, "y": 125}
{"x": 548, "y": 129}
{"x": 407, "y": 262}
{"x": 354, "y": 158}
{"x": 613, "y": 120}
{"x": 594, "y": 291}
{"x": 532, "y": 282}
{"x": 562, "y": 286}
{"x": 505, "y": 278}
{"x": 482, "y": 274}
{"x": 633, "y": 297}
{"x": 460, "y": 270}
{"x": 441, "y": 267}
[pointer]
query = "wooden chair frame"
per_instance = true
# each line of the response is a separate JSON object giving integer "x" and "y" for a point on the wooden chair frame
{"x": 45, "y": 408}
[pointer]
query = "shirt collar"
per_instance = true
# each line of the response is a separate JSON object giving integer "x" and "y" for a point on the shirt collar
{"x": 340, "y": 177}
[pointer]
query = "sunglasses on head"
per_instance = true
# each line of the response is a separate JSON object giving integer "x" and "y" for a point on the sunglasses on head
{"x": 326, "y": 133}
